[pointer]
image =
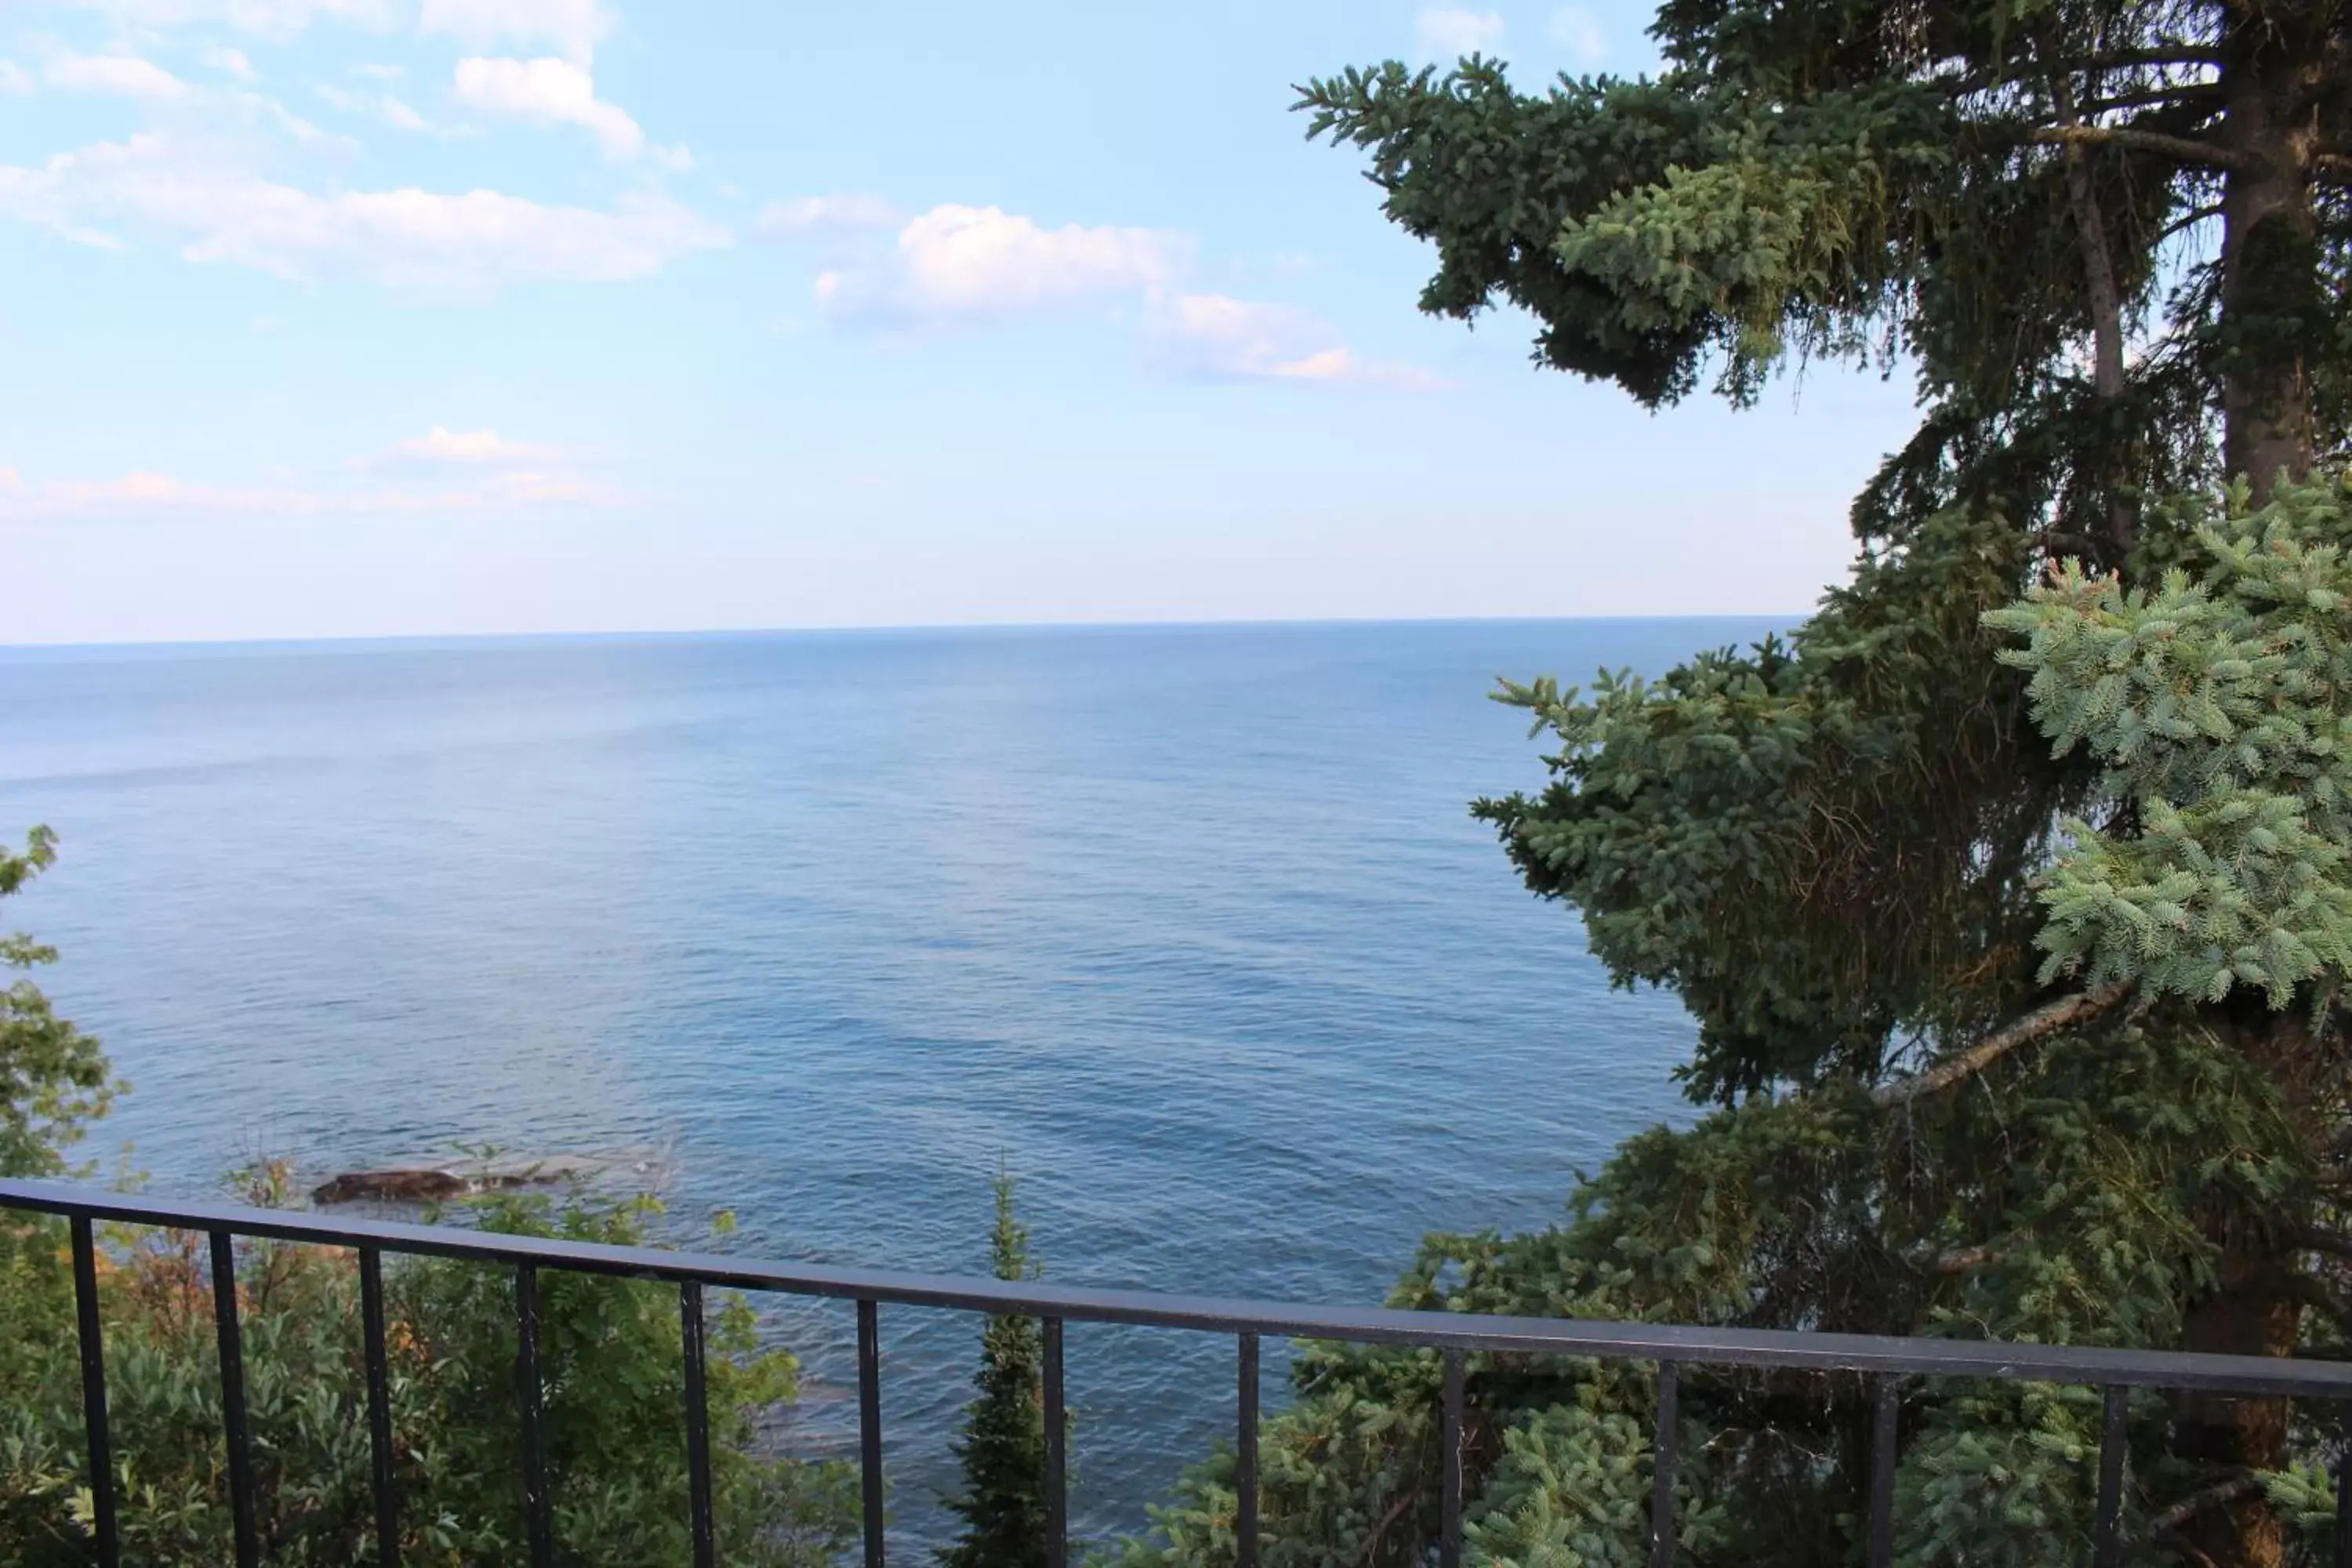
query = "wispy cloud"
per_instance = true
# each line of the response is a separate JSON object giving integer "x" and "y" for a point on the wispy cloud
{"x": 548, "y": 91}
{"x": 1218, "y": 338}
{"x": 442, "y": 445}
{"x": 828, "y": 216}
{"x": 571, "y": 27}
{"x": 958, "y": 264}
{"x": 382, "y": 106}
{"x": 262, "y": 18}
{"x": 407, "y": 237}
{"x": 1451, "y": 31}
{"x": 13, "y": 77}
{"x": 146, "y": 494}
{"x": 124, "y": 76}
{"x": 230, "y": 62}
{"x": 1579, "y": 31}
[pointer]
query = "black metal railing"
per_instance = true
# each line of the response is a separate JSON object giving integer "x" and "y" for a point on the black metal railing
{"x": 1887, "y": 1359}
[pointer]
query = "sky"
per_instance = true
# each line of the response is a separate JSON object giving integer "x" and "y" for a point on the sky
{"x": 332, "y": 318}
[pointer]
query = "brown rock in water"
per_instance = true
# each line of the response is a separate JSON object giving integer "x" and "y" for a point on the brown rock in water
{"x": 391, "y": 1187}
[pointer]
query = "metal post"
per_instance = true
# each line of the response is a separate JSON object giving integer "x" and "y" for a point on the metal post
{"x": 93, "y": 1395}
{"x": 1666, "y": 1447}
{"x": 232, "y": 1376}
{"x": 528, "y": 1391}
{"x": 869, "y": 1425}
{"x": 1245, "y": 1460}
{"x": 697, "y": 1425}
{"x": 379, "y": 1388}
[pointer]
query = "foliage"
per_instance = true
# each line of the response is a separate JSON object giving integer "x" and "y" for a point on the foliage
{"x": 1003, "y": 1446}
{"x": 610, "y": 1354}
{"x": 2220, "y": 702}
{"x": 2011, "y": 918}
{"x": 53, "y": 1079}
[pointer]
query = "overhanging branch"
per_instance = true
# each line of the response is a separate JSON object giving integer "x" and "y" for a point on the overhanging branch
{"x": 2182, "y": 149}
{"x": 2044, "y": 1021}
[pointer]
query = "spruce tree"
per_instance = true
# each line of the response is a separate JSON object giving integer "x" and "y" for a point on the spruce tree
{"x": 2008, "y": 893}
{"x": 1003, "y": 1446}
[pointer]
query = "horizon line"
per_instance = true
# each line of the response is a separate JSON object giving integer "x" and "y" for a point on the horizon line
{"x": 881, "y": 629}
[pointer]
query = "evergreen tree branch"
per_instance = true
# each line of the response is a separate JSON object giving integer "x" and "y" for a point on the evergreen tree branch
{"x": 2044, "y": 1021}
{"x": 2215, "y": 1496}
{"x": 2184, "y": 149}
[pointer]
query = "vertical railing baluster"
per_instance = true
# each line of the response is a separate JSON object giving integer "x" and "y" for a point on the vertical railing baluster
{"x": 1665, "y": 1451}
{"x": 1884, "y": 1430}
{"x": 2111, "y": 1478}
{"x": 530, "y": 1396}
{"x": 378, "y": 1396}
{"x": 698, "y": 1425}
{"x": 232, "y": 1378}
{"x": 93, "y": 1395}
{"x": 1057, "y": 1437}
{"x": 2344, "y": 1492}
{"x": 869, "y": 1425}
{"x": 1449, "y": 1465}
{"x": 1245, "y": 1460}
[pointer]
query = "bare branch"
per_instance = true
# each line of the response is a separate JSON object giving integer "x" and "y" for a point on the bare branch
{"x": 2335, "y": 167}
{"x": 2183, "y": 148}
{"x": 2044, "y": 1021}
{"x": 1959, "y": 1259}
{"x": 2197, "y": 1502}
{"x": 2189, "y": 219}
{"x": 2124, "y": 59}
{"x": 2311, "y": 1239}
{"x": 2153, "y": 95}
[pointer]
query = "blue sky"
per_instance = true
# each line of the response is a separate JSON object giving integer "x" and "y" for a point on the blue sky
{"x": 372, "y": 317}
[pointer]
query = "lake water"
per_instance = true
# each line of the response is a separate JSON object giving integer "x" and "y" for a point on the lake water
{"x": 1187, "y": 926}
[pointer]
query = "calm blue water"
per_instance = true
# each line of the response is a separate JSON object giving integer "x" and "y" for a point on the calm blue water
{"x": 1189, "y": 926}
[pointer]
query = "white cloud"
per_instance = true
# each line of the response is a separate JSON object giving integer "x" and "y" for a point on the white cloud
{"x": 380, "y": 106}
{"x": 959, "y": 263}
{"x": 548, "y": 92}
{"x": 443, "y": 445}
{"x": 144, "y": 494}
{"x": 1216, "y": 337}
{"x": 820, "y": 217}
{"x": 465, "y": 243}
{"x": 1451, "y": 31}
{"x": 376, "y": 72}
{"x": 230, "y": 62}
{"x": 259, "y": 106}
{"x": 13, "y": 77}
{"x": 572, "y": 28}
{"x": 265, "y": 18}
{"x": 1579, "y": 31}
{"x": 123, "y": 75}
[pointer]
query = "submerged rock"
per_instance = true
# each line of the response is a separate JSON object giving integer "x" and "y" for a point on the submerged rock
{"x": 391, "y": 1187}
{"x": 440, "y": 1184}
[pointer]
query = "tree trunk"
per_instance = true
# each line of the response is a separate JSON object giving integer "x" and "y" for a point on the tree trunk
{"x": 2101, "y": 294}
{"x": 2250, "y": 1314}
{"x": 2269, "y": 290}
{"x": 2269, "y": 236}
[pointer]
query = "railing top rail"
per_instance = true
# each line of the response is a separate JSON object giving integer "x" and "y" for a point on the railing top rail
{"x": 1766, "y": 1348}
